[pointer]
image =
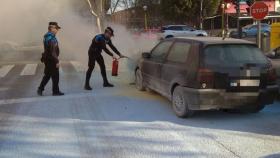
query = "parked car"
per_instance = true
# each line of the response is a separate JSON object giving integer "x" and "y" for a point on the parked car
{"x": 203, "y": 73}
{"x": 252, "y": 30}
{"x": 170, "y": 31}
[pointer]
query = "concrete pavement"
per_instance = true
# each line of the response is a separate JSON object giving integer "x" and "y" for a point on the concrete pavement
{"x": 120, "y": 122}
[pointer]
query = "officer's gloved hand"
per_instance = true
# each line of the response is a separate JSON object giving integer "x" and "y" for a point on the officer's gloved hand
{"x": 122, "y": 56}
{"x": 114, "y": 57}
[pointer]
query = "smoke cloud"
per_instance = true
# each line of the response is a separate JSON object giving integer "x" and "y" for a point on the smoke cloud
{"x": 24, "y": 22}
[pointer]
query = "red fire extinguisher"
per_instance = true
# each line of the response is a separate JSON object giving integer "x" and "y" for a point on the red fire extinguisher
{"x": 115, "y": 67}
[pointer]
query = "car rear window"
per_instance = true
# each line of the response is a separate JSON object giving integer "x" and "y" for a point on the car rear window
{"x": 233, "y": 55}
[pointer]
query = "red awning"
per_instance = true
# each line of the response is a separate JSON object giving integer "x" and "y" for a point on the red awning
{"x": 243, "y": 6}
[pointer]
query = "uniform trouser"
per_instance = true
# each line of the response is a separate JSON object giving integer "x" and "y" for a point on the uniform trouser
{"x": 50, "y": 72}
{"x": 91, "y": 64}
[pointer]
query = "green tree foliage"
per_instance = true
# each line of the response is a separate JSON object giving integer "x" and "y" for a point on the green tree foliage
{"x": 188, "y": 10}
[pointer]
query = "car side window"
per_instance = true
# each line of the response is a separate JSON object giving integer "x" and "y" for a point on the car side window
{"x": 179, "y": 52}
{"x": 161, "y": 50}
{"x": 186, "y": 28}
{"x": 253, "y": 27}
{"x": 176, "y": 28}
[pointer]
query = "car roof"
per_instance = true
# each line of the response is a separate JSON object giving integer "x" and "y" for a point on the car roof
{"x": 174, "y": 25}
{"x": 215, "y": 40}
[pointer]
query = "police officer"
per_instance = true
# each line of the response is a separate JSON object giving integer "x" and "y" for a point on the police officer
{"x": 98, "y": 44}
{"x": 51, "y": 61}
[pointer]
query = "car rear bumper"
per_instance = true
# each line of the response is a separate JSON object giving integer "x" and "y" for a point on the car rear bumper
{"x": 206, "y": 99}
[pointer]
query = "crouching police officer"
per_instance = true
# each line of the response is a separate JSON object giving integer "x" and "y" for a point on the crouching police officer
{"x": 98, "y": 44}
{"x": 51, "y": 61}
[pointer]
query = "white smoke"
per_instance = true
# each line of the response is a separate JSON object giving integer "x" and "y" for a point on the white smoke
{"x": 24, "y": 22}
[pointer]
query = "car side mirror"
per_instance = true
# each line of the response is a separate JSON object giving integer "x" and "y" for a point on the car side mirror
{"x": 146, "y": 55}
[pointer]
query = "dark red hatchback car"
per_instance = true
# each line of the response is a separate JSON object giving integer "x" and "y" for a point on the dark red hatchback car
{"x": 203, "y": 73}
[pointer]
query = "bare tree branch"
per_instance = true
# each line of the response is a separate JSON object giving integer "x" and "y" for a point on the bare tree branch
{"x": 91, "y": 9}
{"x": 115, "y": 7}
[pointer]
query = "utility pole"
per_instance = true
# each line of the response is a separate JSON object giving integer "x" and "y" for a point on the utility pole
{"x": 223, "y": 20}
{"x": 201, "y": 14}
{"x": 239, "y": 29}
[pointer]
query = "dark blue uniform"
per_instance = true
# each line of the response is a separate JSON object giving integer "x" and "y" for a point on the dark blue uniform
{"x": 99, "y": 43}
{"x": 50, "y": 59}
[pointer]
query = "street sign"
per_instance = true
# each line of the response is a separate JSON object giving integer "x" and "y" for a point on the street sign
{"x": 259, "y": 10}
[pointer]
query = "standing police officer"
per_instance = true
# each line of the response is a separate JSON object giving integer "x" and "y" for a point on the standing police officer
{"x": 98, "y": 44}
{"x": 51, "y": 61}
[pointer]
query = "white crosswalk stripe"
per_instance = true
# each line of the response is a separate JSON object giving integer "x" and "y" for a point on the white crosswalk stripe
{"x": 79, "y": 67}
{"x": 4, "y": 70}
{"x": 29, "y": 69}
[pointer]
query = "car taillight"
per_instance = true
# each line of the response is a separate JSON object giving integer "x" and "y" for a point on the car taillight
{"x": 205, "y": 78}
{"x": 271, "y": 76}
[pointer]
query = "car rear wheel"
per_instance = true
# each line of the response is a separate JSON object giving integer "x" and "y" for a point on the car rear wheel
{"x": 180, "y": 103}
{"x": 139, "y": 81}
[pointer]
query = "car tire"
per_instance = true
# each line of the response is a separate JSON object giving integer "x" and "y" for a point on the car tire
{"x": 180, "y": 103}
{"x": 169, "y": 36}
{"x": 139, "y": 80}
{"x": 200, "y": 35}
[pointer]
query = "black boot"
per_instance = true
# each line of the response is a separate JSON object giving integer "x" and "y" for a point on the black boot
{"x": 40, "y": 92}
{"x": 58, "y": 93}
{"x": 88, "y": 88}
{"x": 108, "y": 85}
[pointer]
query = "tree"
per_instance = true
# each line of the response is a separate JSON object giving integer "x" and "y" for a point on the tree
{"x": 99, "y": 8}
{"x": 182, "y": 11}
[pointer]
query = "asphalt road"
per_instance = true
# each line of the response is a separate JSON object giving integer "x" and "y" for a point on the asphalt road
{"x": 118, "y": 122}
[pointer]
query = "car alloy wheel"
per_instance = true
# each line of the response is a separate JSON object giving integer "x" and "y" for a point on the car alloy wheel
{"x": 139, "y": 80}
{"x": 180, "y": 104}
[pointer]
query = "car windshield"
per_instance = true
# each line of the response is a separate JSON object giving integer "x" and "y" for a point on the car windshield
{"x": 255, "y": 26}
{"x": 233, "y": 55}
{"x": 247, "y": 26}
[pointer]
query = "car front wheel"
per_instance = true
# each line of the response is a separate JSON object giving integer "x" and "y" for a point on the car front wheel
{"x": 180, "y": 103}
{"x": 139, "y": 81}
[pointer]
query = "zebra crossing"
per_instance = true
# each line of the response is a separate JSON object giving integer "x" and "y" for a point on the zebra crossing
{"x": 32, "y": 68}
{"x": 4, "y": 70}
{"x": 29, "y": 69}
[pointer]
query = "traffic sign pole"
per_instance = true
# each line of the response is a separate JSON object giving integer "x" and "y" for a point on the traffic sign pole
{"x": 259, "y": 11}
{"x": 259, "y": 39}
